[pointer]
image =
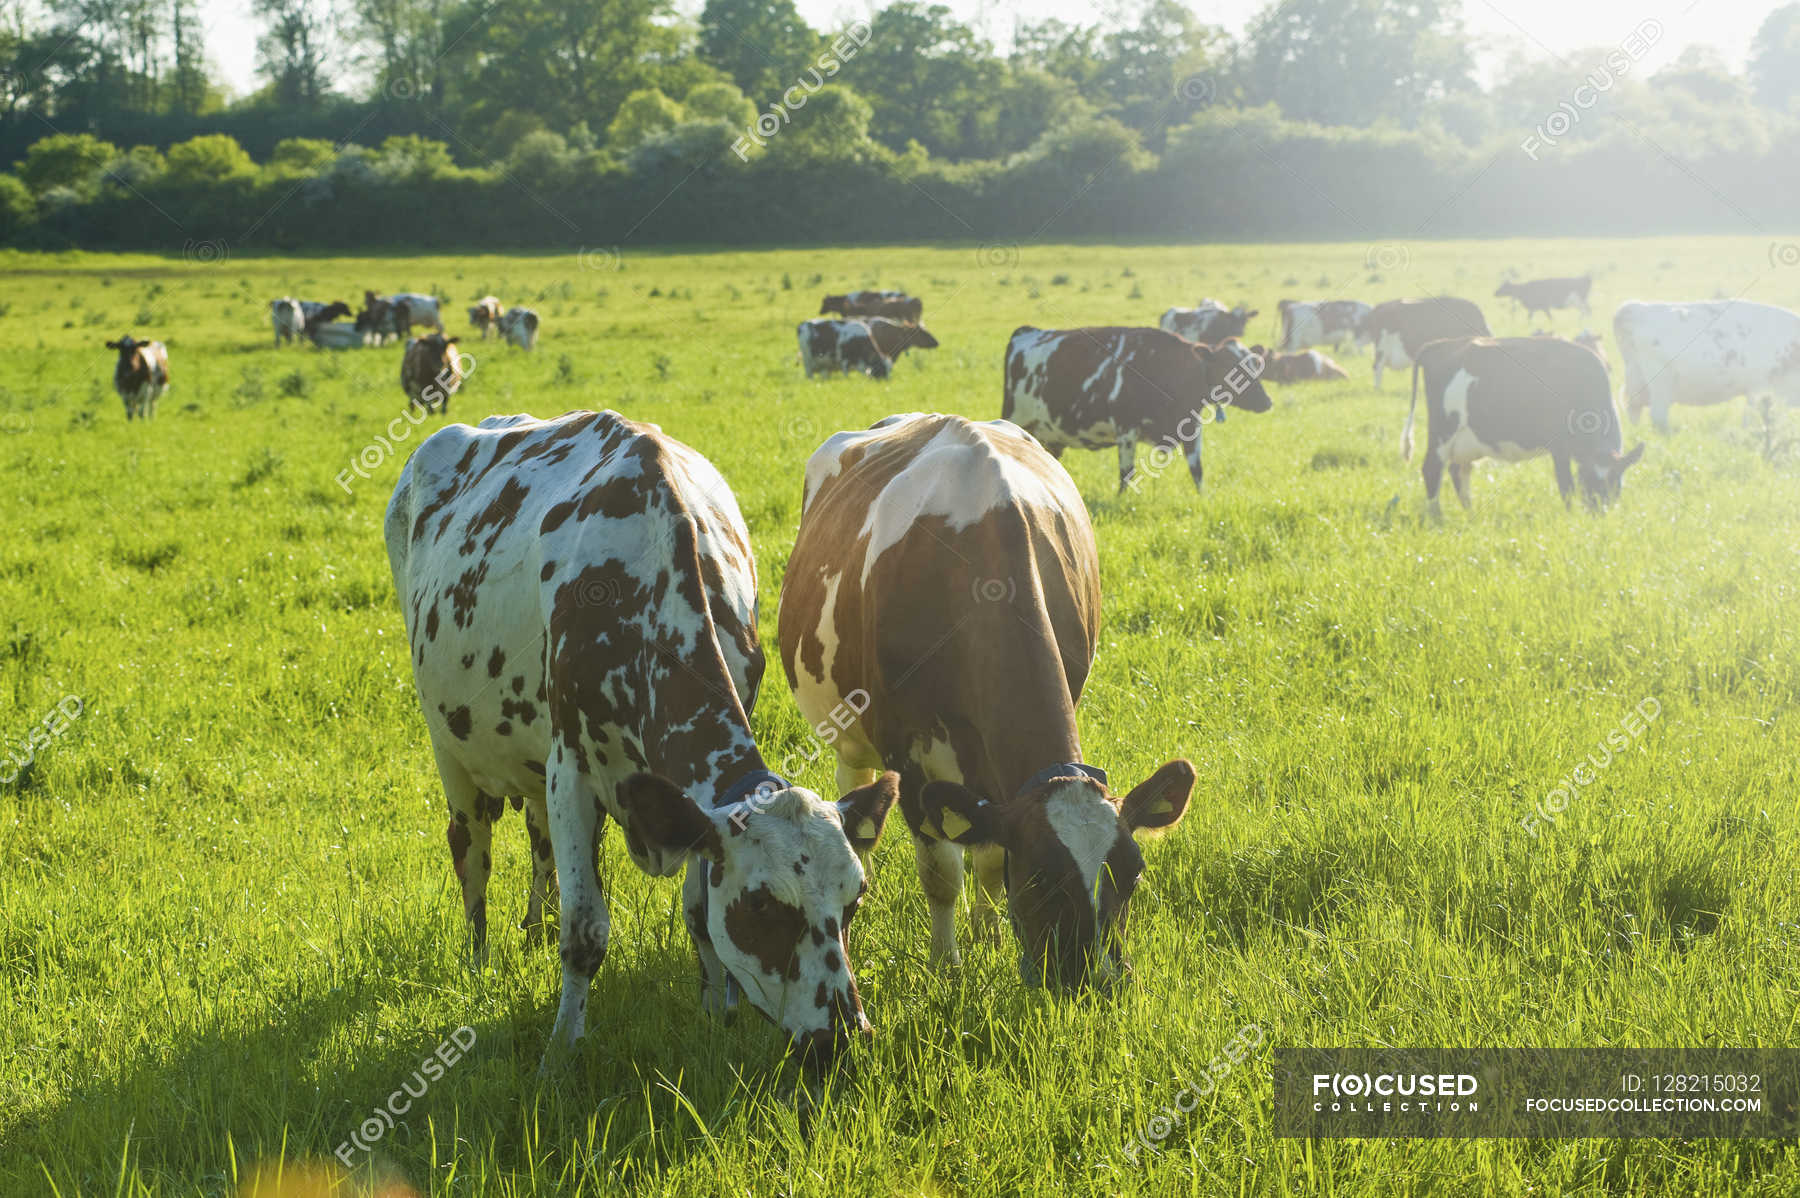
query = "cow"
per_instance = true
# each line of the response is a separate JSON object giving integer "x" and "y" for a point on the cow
{"x": 520, "y": 327}
{"x": 1399, "y": 327}
{"x": 326, "y": 335}
{"x": 431, "y": 372}
{"x": 1301, "y": 367}
{"x": 485, "y": 314}
{"x": 945, "y": 587}
{"x": 141, "y": 375}
{"x": 1096, "y": 387}
{"x": 314, "y": 310}
{"x": 1208, "y": 324}
{"x": 579, "y": 596}
{"x": 288, "y": 318}
{"x": 1705, "y": 353}
{"x": 893, "y": 337}
{"x": 422, "y": 309}
{"x": 895, "y": 305}
{"x": 841, "y": 345}
{"x": 1305, "y": 324}
{"x": 1546, "y": 295}
{"x": 382, "y": 319}
{"x": 1517, "y": 398}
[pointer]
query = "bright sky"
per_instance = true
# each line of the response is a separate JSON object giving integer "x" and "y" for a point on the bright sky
{"x": 1540, "y": 27}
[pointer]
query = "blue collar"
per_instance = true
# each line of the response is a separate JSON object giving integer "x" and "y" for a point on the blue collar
{"x": 738, "y": 791}
{"x": 1067, "y": 769}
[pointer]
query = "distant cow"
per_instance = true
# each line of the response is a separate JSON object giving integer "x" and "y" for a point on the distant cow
{"x": 580, "y": 605}
{"x": 485, "y": 314}
{"x": 1516, "y": 398}
{"x": 829, "y": 346}
{"x": 1546, "y": 295}
{"x": 895, "y": 305}
{"x": 382, "y": 320}
{"x": 945, "y": 575}
{"x": 1323, "y": 322}
{"x": 141, "y": 375}
{"x": 430, "y": 372}
{"x": 1706, "y": 353}
{"x": 893, "y": 337}
{"x": 519, "y": 326}
{"x": 288, "y": 318}
{"x": 314, "y": 310}
{"x": 1208, "y": 324}
{"x": 1301, "y": 368}
{"x": 1399, "y": 327}
{"x": 1097, "y": 387}
{"x": 326, "y": 335}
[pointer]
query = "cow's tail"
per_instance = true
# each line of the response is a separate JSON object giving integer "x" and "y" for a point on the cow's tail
{"x": 1406, "y": 434}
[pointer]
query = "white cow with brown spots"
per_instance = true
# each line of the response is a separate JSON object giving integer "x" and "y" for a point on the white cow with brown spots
{"x": 580, "y": 606}
{"x": 945, "y": 587}
{"x": 1706, "y": 353}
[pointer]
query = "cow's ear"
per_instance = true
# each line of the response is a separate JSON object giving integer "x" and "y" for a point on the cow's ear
{"x": 663, "y": 826}
{"x": 865, "y": 811}
{"x": 112, "y": 345}
{"x": 1631, "y": 459}
{"x": 1159, "y": 801}
{"x": 1253, "y": 313}
{"x": 952, "y": 812}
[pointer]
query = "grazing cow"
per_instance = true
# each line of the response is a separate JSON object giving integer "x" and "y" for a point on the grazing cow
{"x": 895, "y": 305}
{"x": 1706, "y": 353}
{"x": 1301, "y": 367}
{"x": 485, "y": 314}
{"x": 1399, "y": 327}
{"x": 1323, "y": 322}
{"x": 893, "y": 337}
{"x": 1097, "y": 387}
{"x": 1208, "y": 324}
{"x": 288, "y": 318}
{"x": 580, "y": 605}
{"x": 431, "y": 372}
{"x": 1546, "y": 295}
{"x": 944, "y": 586}
{"x": 841, "y": 345}
{"x": 1517, "y": 398}
{"x": 519, "y": 326}
{"x": 141, "y": 375}
{"x": 326, "y": 335}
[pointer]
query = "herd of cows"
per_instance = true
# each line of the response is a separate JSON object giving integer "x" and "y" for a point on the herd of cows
{"x": 580, "y": 603}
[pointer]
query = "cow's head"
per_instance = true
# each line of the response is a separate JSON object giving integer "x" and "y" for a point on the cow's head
{"x": 784, "y": 879}
{"x": 127, "y": 347}
{"x": 1601, "y": 476}
{"x": 1072, "y": 863}
{"x": 1234, "y": 375}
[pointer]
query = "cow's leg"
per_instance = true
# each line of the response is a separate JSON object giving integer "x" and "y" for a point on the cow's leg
{"x": 718, "y": 990}
{"x": 940, "y": 866}
{"x": 1433, "y": 473}
{"x": 1459, "y": 478}
{"x": 1193, "y": 452}
{"x": 470, "y": 834}
{"x": 543, "y": 868}
{"x": 1659, "y": 407}
{"x": 1379, "y": 355}
{"x": 576, "y": 822}
{"x": 1565, "y": 477}
{"x": 1127, "y": 459}
{"x": 990, "y": 892}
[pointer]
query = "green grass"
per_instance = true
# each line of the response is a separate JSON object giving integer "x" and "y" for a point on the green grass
{"x": 229, "y": 928}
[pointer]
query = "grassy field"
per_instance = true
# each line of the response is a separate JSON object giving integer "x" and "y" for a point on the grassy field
{"x": 228, "y": 924}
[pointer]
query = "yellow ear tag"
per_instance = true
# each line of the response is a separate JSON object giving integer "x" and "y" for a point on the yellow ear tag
{"x": 954, "y": 825}
{"x": 1163, "y": 807}
{"x": 867, "y": 829}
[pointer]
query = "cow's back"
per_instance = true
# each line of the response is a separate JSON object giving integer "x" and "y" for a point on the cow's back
{"x": 946, "y": 567}
{"x": 1709, "y": 352}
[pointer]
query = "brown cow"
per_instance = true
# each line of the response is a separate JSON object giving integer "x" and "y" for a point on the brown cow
{"x": 1546, "y": 295}
{"x": 141, "y": 376}
{"x": 431, "y": 372}
{"x": 944, "y": 587}
{"x": 1400, "y": 327}
{"x": 895, "y": 305}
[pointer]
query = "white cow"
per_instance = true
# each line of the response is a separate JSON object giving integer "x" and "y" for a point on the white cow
{"x": 519, "y": 326}
{"x": 288, "y": 318}
{"x": 1705, "y": 353}
{"x": 1305, "y": 324}
{"x": 420, "y": 309}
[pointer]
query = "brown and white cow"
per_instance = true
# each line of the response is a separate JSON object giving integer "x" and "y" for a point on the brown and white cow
{"x": 141, "y": 375}
{"x": 1305, "y": 324}
{"x": 580, "y": 605}
{"x": 944, "y": 585}
{"x": 431, "y": 371}
{"x": 1098, "y": 387}
{"x": 1546, "y": 295}
{"x": 485, "y": 314}
{"x": 841, "y": 346}
{"x": 1517, "y": 398}
{"x": 895, "y": 305}
{"x": 1301, "y": 367}
{"x": 1399, "y": 327}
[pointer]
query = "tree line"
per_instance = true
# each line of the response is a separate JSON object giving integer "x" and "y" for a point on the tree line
{"x": 556, "y": 122}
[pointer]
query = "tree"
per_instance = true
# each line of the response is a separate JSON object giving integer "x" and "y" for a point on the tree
{"x": 1355, "y": 62}
{"x": 762, "y": 45}
{"x": 719, "y": 101}
{"x": 301, "y": 155}
{"x": 17, "y": 208}
{"x": 644, "y": 112}
{"x": 1154, "y": 73}
{"x": 71, "y": 160}
{"x": 187, "y": 77}
{"x": 292, "y": 48}
{"x": 209, "y": 158}
{"x": 1775, "y": 59}
{"x": 927, "y": 76}
{"x": 569, "y": 60}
